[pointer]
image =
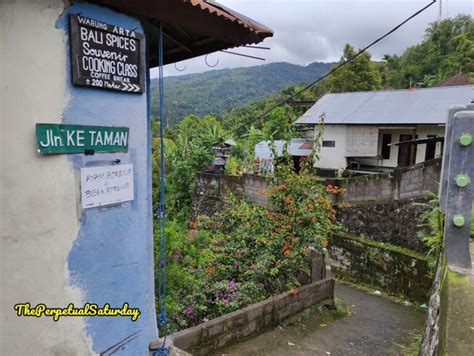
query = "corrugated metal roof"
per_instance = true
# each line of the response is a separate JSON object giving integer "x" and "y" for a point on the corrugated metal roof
{"x": 409, "y": 106}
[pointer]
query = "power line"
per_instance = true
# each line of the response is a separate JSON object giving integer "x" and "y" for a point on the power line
{"x": 336, "y": 67}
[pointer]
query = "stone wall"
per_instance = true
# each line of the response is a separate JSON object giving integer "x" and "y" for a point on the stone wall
{"x": 390, "y": 221}
{"x": 390, "y": 268}
{"x": 387, "y": 207}
{"x": 208, "y": 337}
{"x": 430, "y": 342}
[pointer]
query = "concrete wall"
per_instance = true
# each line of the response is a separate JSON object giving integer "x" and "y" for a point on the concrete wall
{"x": 448, "y": 326}
{"x": 208, "y": 337}
{"x": 403, "y": 183}
{"x": 52, "y": 252}
{"x": 213, "y": 190}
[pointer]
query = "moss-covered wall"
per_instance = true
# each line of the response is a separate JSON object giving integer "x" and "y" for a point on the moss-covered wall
{"x": 391, "y": 268}
{"x": 457, "y": 314}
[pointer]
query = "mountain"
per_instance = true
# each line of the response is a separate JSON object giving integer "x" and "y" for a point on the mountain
{"x": 218, "y": 91}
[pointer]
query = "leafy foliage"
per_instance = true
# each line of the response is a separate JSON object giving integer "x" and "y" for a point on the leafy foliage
{"x": 432, "y": 223}
{"x": 248, "y": 253}
{"x": 358, "y": 75}
{"x": 188, "y": 150}
{"x": 448, "y": 48}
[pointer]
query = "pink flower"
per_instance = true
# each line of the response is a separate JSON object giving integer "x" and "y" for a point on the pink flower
{"x": 237, "y": 264}
{"x": 231, "y": 285}
{"x": 189, "y": 310}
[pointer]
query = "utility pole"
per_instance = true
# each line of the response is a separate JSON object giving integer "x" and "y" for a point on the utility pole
{"x": 440, "y": 13}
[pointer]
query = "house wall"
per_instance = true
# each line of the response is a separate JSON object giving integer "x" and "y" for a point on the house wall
{"x": 51, "y": 251}
{"x": 335, "y": 157}
{"x": 421, "y": 130}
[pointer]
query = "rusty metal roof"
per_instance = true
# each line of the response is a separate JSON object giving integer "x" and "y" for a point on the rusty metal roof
{"x": 308, "y": 145}
{"x": 191, "y": 27}
{"x": 214, "y": 7}
{"x": 457, "y": 79}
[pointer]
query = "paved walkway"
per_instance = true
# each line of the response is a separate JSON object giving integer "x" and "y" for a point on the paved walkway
{"x": 376, "y": 326}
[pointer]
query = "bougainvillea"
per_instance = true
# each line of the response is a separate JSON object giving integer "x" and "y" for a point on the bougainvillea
{"x": 247, "y": 253}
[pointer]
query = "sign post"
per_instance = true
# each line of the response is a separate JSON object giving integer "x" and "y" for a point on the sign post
{"x": 106, "y": 56}
{"x": 56, "y": 139}
{"x": 456, "y": 191}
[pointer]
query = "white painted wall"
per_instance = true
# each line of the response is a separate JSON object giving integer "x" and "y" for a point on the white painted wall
{"x": 333, "y": 157}
{"x": 39, "y": 217}
{"x": 421, "y": 130}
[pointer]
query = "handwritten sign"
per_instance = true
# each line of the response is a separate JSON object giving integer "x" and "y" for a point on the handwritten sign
{"x": 56, "y": 138}
{"x": 106, "y": 185}
{"x": 106, "y": 56}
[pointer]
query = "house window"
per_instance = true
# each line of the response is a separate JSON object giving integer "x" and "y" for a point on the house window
{"x": 329, "y": 143}
{"x": 386, "y": 140}
{"x": 430, "y": 149}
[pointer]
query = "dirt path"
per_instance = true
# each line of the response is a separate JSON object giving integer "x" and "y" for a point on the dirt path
{"x": 375, "y": 326}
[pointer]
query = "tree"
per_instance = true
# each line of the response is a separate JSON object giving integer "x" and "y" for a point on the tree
{"x": 447, "y": 49}
{"x": 358, "y": 75}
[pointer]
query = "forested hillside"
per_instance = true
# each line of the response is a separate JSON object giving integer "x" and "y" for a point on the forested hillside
{"x": 218, "y": 91}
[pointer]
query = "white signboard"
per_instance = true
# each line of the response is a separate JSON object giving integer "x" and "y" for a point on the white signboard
{"x": 106, "y": 185}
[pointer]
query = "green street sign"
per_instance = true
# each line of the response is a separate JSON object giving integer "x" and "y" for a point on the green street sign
{"x": 56, "y": 139}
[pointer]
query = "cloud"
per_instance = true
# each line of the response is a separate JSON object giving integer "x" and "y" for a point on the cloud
{"x": 308, "y": 31}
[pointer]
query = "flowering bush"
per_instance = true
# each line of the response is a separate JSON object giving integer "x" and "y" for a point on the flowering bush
{"x": 247, "y": 253}
{"x": 334, "y": 189}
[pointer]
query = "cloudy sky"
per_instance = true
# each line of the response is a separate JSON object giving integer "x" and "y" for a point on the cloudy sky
{"x": 316, "y": 30}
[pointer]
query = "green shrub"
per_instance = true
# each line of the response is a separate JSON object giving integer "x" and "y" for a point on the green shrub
{"x": 247, "y": 253}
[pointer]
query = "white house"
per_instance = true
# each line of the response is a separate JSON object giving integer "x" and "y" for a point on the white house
{"x": 381, "y": 130}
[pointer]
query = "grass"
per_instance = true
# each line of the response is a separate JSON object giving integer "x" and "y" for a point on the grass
{"x": 413, "y": 348}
